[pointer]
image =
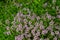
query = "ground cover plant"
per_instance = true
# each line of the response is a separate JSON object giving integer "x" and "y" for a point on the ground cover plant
{"x": 29, "y": 19}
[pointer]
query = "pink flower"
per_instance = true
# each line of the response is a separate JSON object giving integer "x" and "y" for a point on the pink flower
{"x": 29, "y": 35}
{"x": 52, "y": 33}
{"x": 33, "y": 32}
{"x": 44, "y": 32}
{"x": 58, "y": 16}
{"x": 18, "y": 37}
{"x": 55, "y": 38}
{"x": 51, "y": 22}
{"x": 38, "y": 33}
{"x": 35, "y": 28}
{"x": 59, "y": 35}
{"x": 48, "y": 16}
{"x": 41, "y": 27}
{"x": 32, "y": 18}
{"x": 27, "y": 29}
{"x": 19, "y": 28}
{"x": 49, "y": 28}
{"x": 35, "y": 38}
{"x": 57, "y": 27}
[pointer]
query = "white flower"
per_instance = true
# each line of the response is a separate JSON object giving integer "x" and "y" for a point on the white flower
{"x": 57, "y": 32}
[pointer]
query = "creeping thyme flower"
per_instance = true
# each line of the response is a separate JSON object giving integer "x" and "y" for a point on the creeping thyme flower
{"x": 41, "y": 27}
{"x": 52, "y": 33}
{"x": 48, "y": 16}
{"x": 55, "y": 38}
{"x": 19, "y": 37}
{"x": 51, "y": 22}
{"x": 35, "y": 38}
{"x": 50, "y": 28}
{"x": 58, "y": 16}
{"x": 56, "y": 32}
{"x": 44, "y": 32}
{"x": 33, "y": 32}
{"x": 38, "y": 33}
{"x": 7, "y": 33}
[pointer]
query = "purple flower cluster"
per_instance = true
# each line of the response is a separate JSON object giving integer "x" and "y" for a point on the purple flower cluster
{"x": 28, "y": 27}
